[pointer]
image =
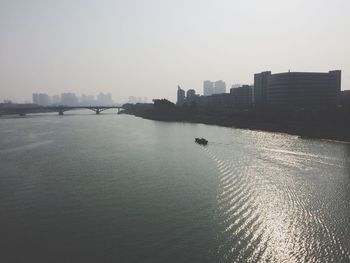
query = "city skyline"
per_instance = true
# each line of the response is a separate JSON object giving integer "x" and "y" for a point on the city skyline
{"x": 127, "y": 48}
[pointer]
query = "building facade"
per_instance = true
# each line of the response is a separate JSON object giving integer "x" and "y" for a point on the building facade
{"x": 345, "y": 98}
{"x": 35, "y": 97}
{"x": 180, "y": 96}
{"x": 221, "y": 102}
{"x": 304, "y": 89}
{"x": 41, "y": 99}
{"x": 242, "y": 97}
{"x": 219, "y": 87}
{"x": 208, "y": 88}
{"x": 260, "y": 88}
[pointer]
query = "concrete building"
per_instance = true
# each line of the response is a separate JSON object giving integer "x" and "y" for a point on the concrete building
{"x": 208, "y": 88}
{"x": 180, "y": 96}
{"x": 304, "y": 89}
{"x": 219, "y": 87}
{"x": 44, "y": 99}
{"x": 242, "y": 96}
{"x": 345, "y": 98}
{"x": 35, "y": 97}
{"x": 41, "y": 99}
{"x": 260, "y": 88}
{"x": 221, "y": 102}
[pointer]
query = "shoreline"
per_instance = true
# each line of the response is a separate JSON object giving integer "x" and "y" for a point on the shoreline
{"x": 303, "y": 129}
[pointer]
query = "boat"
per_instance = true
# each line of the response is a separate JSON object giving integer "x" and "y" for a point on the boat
{"x": 201, "y": 141}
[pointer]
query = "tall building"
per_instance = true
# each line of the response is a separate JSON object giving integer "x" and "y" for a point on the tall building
{"x": 221, "y": 102}
{"x": 242, "y": 96}
{"x": 35, "y": 97}
{"x": 190, "y": 93}
{"x": 260, "y": 87}
{"x": 208, "y": 88}
{"x": 304, "y": 89}
{"x": 180, "y": 96}
{"x": 219, "y": 87}
{"x": 44, "y": 99}
{"x": 345, "y": 98}
{"x": 41, "y": 99}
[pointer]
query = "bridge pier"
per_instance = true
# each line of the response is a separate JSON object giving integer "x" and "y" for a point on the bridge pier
{"x": 60, "y": 112}
{"x": 98, "y": 111}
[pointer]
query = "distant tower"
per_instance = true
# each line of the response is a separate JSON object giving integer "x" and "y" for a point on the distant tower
{"x": 208, "y": 88}
{"x": 260, "y": 87}
{"x": 35, "y": 98}
{"x": 220, "y": 87}
{"x": 180, "y": 96}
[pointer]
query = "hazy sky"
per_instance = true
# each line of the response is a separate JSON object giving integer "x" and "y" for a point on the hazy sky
{"x": 148, "y": 47}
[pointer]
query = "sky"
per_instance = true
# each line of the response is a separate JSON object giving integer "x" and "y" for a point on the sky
{"x": 147, "y": 47}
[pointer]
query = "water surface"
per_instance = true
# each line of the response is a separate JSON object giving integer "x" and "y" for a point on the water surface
{"x": 116, "y": 188}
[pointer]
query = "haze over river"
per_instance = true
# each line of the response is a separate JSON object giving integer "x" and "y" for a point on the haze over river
{"x": 116, "y": 188}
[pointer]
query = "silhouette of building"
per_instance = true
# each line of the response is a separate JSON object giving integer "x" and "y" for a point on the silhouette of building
{"x": 304, "y": 89}
{"x": 190, "y": 93}
{"x": 221, "y": 102}
{"x": 242, "y": 96}
{"x": 208, "y": 88}
{"x": 345, "y": 98}
{"x": 219, "y": 87}
{"x": 180, "y": 96}
{"x": 260, "y": 87}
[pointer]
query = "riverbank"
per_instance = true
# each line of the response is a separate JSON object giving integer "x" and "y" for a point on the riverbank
{"x": 320, "y": 125}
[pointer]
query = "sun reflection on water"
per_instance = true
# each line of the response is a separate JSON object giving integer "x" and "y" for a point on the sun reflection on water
{"x": 270, "y": 208}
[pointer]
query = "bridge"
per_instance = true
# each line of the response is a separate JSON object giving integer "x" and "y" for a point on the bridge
{"x": 22, "y": 111}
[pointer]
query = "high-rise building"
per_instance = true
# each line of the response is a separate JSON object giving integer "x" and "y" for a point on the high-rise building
{"x": 35, "y": 97}
{"x": 180, "y": 96}
{"x": 44, "y": 99}
{"x": 208, "y": 88}
{"x": 260, "y": 87}
{"x": 219, "y": 87}
{"x": 304, "y": 89}
{"x": 242, "y": 96}
{"x": 221, "y": 102}
{"x": 41, "y": 99}
{"x": 190, "y": 93}
{"x": 345, "y": 98}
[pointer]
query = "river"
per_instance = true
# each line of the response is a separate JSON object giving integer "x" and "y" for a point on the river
{"x": 117, "y": 188}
